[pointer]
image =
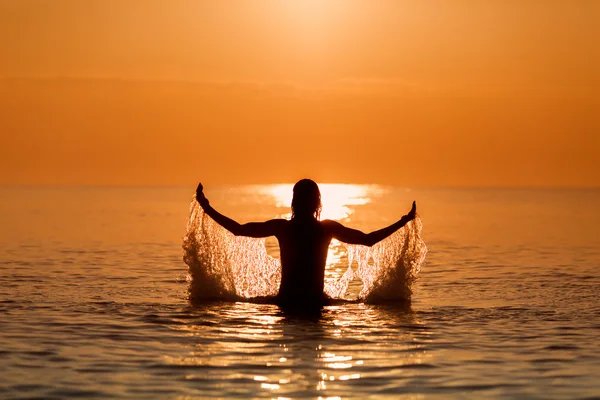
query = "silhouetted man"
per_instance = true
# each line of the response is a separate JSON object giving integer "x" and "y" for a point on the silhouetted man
{"x": 303, "y": 242}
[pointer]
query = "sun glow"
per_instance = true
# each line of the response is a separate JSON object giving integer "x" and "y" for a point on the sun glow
{"x": 314, "y": 19}
{"x": 338, "y": 199}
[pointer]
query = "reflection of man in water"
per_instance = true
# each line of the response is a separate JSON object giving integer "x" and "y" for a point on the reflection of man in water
{"x": 303, "y": 242}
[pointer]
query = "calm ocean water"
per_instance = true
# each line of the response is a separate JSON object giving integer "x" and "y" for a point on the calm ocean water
{"x": 93, "y": 300}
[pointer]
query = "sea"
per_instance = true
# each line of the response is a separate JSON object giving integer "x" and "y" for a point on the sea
{"x": 96, "y": 300}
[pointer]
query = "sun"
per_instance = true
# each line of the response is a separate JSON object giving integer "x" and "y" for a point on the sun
{"x": 310, "y": 9}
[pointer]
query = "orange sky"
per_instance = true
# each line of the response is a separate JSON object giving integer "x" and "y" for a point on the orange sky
{"x": 468, "y": 93}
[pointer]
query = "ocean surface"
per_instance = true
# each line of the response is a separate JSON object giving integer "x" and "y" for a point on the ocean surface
{"x": 94, "y": 300}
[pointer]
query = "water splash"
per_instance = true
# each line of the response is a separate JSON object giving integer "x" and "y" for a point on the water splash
{"x": 224, "y": 266}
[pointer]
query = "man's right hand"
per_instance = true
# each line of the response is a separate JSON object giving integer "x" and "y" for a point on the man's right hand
{"x": 200, "y": 195}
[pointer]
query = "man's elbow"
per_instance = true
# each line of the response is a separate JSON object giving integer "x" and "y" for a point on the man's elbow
{"x": 370, "y": 240}
{"x": 236, "y": 230}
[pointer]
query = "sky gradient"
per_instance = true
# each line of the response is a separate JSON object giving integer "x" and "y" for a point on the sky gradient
{"x": 452, "y": 93}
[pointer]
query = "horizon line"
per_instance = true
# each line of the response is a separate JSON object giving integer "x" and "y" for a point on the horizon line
{"x": 221, "y": 185}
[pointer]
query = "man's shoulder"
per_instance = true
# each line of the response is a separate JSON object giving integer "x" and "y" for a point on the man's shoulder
{"x": 329, "y": 223}
{"x": 279, "y": 223}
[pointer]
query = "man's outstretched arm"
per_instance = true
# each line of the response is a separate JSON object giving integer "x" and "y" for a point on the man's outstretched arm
{"x": 354, "y": 236}
{"x": 251, "y": 229}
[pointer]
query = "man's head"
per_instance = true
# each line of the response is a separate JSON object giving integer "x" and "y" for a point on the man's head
{"x": 307, "y": 199}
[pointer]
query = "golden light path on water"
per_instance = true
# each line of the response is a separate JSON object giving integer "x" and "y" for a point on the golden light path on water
{"x": 291, "y": 354}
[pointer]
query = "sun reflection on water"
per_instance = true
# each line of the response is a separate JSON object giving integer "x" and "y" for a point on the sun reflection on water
{"x": 301, "y": 353}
